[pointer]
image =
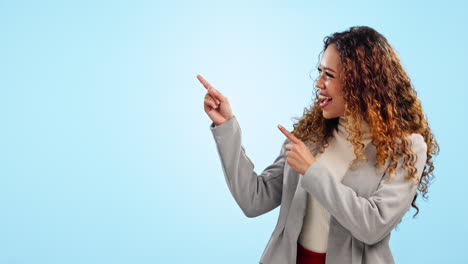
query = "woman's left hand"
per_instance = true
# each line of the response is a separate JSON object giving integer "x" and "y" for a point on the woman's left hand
{"x": 299, "y": 155}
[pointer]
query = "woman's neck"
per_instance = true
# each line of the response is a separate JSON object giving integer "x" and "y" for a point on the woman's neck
{"x": 366, "y": 132}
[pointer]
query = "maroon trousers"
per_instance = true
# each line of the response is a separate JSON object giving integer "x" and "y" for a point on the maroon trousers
{"x": 305, "y": 256}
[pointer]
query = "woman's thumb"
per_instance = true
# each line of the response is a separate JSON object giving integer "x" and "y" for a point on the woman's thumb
{"x": 217, "y": 94}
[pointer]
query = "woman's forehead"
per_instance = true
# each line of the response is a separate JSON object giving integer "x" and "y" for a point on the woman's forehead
{"x": 331, "y": 58}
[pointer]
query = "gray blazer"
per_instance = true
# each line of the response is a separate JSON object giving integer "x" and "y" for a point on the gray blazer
{"x": 363, "y": 207}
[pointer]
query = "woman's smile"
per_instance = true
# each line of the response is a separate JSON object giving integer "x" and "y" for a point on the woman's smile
{"x": 325, "y": 102}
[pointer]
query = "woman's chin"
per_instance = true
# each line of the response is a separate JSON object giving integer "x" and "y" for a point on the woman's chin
{"x": 328, "y": 115}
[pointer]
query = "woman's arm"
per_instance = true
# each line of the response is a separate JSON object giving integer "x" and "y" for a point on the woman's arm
{"x": 255, "y": 194}
{"x": 368, "y": 219}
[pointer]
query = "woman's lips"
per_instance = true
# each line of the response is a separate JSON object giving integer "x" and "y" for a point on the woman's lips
{"x": 325, "y": 102}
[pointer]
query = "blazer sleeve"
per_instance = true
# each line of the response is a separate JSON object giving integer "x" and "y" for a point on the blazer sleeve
{"x": 373, "y": 218}
{"x": 255, "y": 194}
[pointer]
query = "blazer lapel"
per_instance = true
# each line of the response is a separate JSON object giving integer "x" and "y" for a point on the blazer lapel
{"x": 297, "y": 210}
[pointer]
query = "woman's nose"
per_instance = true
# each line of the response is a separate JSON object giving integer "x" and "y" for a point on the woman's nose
{"x": 319, "y": 84}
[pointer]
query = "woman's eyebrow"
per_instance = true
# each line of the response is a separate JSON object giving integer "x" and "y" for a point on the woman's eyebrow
{"x": 327, "y": 68}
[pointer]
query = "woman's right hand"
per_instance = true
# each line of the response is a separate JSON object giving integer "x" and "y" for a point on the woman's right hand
{"x": 216, "y": 105}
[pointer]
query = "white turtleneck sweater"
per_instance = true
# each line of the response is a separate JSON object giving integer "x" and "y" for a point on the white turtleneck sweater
{"x": 337, "y": 157}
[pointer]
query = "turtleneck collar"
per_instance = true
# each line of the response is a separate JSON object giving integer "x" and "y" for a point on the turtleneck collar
{"x": 366, "y": 132}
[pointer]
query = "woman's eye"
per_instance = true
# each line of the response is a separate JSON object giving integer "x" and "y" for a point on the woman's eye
{"x": 328, "y": 74}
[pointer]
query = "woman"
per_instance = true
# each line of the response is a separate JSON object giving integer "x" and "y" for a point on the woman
{"x": 352, "y": 166}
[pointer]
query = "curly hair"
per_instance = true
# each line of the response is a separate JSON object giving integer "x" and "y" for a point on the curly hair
{"x": 377, "y": 89}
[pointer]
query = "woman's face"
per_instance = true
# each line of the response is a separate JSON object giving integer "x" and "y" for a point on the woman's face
{"x": 329, "y": 83}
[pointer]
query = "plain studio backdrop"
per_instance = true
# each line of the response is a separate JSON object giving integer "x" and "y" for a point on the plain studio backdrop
{"x": 105, "y": 151}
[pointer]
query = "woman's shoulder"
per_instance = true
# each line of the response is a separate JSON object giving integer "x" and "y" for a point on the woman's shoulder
{"x": 417, "y": 142}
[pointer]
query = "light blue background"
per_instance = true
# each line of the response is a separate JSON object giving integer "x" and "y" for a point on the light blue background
{"x": 106, "y": 153}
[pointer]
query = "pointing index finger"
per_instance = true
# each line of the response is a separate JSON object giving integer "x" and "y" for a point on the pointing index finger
{"x": 288, "y": 134}
{"x": 211, "y": 90}
{"x": 204, "y": 82}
